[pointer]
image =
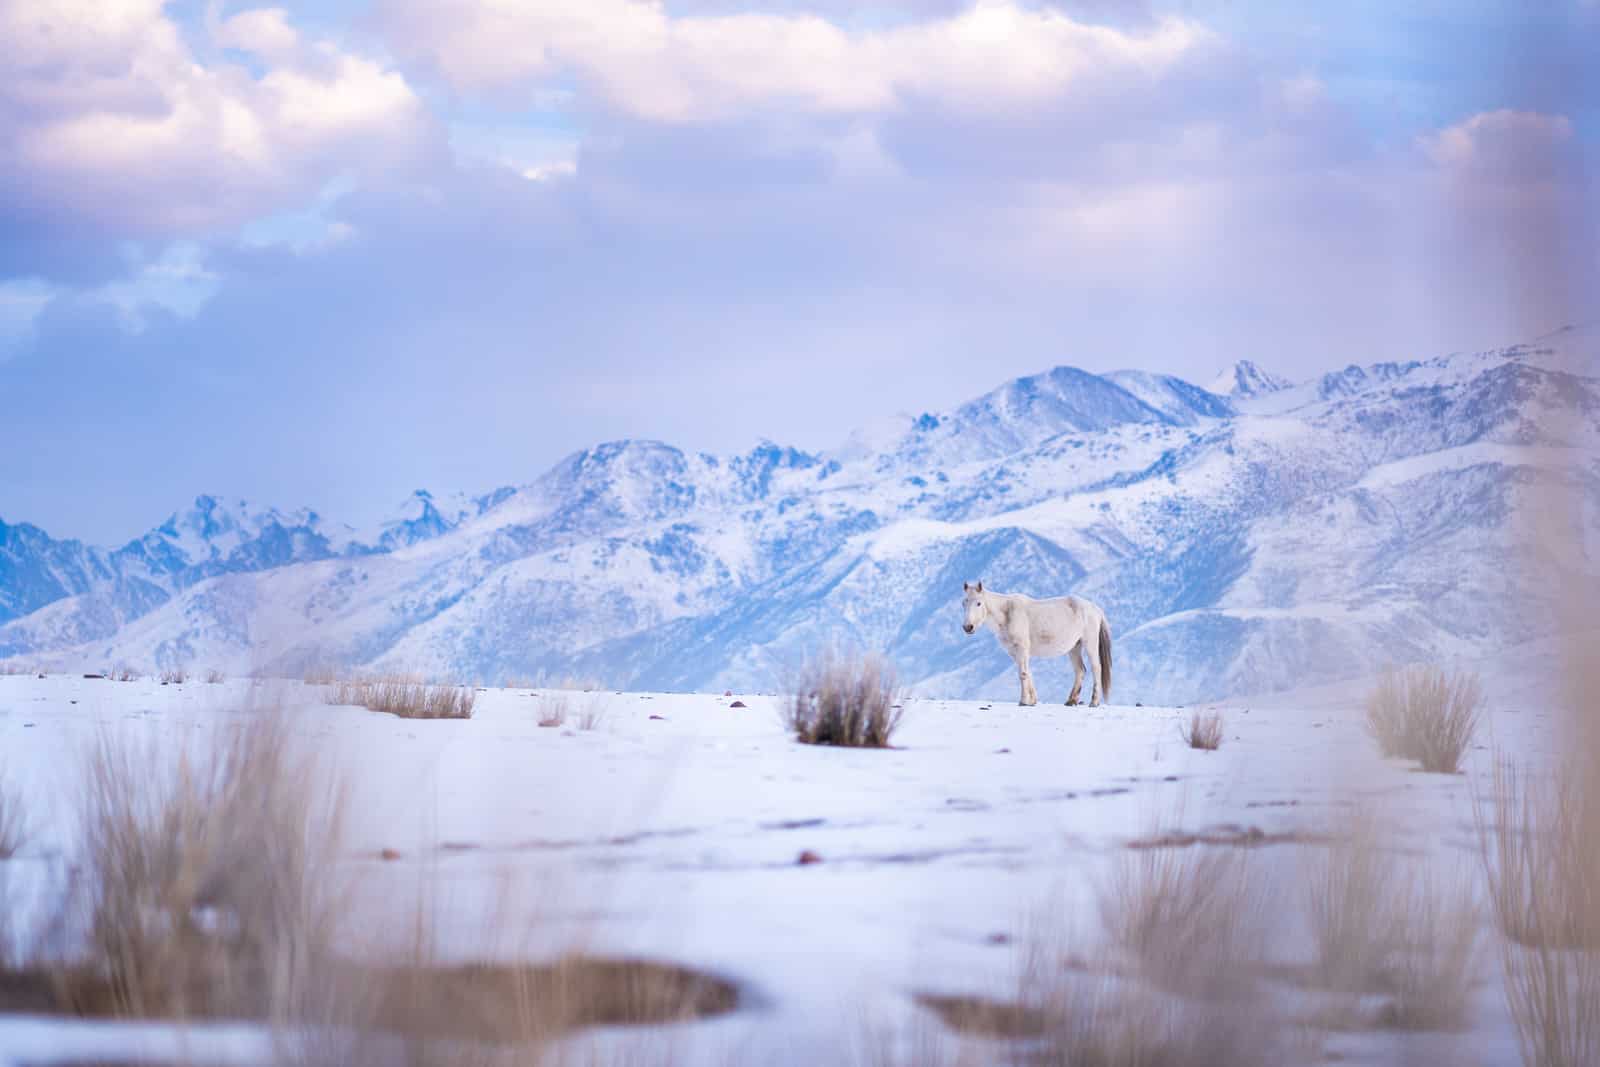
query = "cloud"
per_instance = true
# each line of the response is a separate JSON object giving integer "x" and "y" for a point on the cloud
{"x": 704, "y": 212}
{"x": 1504, "y": 143}
{"x": 644, "y": 61}
{"x": 264, "y": 32}
{"x": 115, "y": 129}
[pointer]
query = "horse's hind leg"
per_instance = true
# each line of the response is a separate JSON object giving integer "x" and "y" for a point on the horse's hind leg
{"x": 1093, "y": 652}
{"x": 1077, "y": 674}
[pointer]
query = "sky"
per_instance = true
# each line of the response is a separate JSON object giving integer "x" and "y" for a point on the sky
{"x": 326, "y": 253}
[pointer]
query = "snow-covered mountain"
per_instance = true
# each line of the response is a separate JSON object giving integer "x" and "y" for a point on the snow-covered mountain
{"x": 1244, "y": 380}
{"x": 1280, "y": 535}
{"x": 91, "y": 592}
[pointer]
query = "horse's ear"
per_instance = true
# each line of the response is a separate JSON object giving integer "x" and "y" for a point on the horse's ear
{"x": 980, "y": 585}
{"x": 966, "y": 587}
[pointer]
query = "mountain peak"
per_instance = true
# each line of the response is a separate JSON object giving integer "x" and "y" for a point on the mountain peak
{"x": 1245, "y": 379}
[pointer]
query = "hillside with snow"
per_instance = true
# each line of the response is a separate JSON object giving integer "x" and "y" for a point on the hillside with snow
{"x": 1245, "y": 538}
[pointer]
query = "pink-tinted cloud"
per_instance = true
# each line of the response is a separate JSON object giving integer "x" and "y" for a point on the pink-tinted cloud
{"x": 116, "y": 129}
{"x": 643, "y": 60}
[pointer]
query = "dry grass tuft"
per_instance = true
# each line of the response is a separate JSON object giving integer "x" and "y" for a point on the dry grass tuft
{"x": 9, "y": 669}
{"x": 125, "y": 674}
{"x": 593, "y": 713}
{"x": 1537, "y": 838}
{"x": 554, "y": 709}
{"x": 408, "y": 696}
{"x": 322, "y": 674}
{"x": 848, "y": 701}
{"x": 571, "y": 698}
{"x": 1345, "y": 903}
{"x": 1181, "y": 916}
{"x": 1106, "y": 1023}
{"x": 1435, "y": 962}
{"x": 209, "y": 889}
{"x": 1176, "y": 985}
{"x": 1538, "y": 841}
{"x": 174, "y": 676}
{"x": 1424, "y": 714}
{"x": 1381, "y": 925}
{"x": 436, "y": 1006}
{"x": 1204, "y": 731}
{"x": 215, "y": 677}
{"x": 14, "y": 827}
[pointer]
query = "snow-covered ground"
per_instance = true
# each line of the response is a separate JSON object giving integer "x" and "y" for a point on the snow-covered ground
{"x": 672, "y": 830}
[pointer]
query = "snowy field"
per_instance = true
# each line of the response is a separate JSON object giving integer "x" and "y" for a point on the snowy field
{"x": 672, "y": 829}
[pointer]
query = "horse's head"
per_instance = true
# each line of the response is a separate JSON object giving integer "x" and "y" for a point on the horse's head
{"x": 975, "y": 609}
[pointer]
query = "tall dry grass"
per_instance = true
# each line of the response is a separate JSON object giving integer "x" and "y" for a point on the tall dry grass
{"x": 210, "y": 890}
{"x": 208, "y": 885}
{"x": 1176, "y": 981}
{"x": 1538, "y": 836}
{"x": 407, "y": 696}
{"x": 322, "y": 674}
{"x": 1183, "y": 915}
{"x": 554, "y": 709}
{"x": 1203, "y": 731}
{"x": 1425, "y": 714}
{"x": 14, "y": 825}
{"x": 1436, "y": 959}
{"x": 1382, "y": 924}
{"x": 1160, "y": 985}
{"x": 1347, "y": 898}
{"x": 842, "y": 699}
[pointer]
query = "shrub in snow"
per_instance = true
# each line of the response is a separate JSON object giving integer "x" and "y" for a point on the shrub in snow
{"x": 208, "y": 883}
{"x": 554, "y": 708}
{"x": 842, "y": 700}
{"x": 1421, "y": 713}
{"x": 1203, "y": 731}
{"x": 407, "y": 696}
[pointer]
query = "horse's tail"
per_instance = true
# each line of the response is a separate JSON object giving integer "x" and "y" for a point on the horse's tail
{"x": 1105, "y": 659}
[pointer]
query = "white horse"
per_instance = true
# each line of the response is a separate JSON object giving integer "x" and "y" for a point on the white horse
{"x": 1059, "y": 626}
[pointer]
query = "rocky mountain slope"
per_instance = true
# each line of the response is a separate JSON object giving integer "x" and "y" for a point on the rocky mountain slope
{"x": 1272, "y": 534}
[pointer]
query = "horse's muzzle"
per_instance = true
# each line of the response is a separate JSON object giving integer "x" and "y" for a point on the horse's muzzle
{"x": 967, "y": 627}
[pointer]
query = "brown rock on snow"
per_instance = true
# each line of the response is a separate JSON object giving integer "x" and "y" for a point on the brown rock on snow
{"x": 807, "y": 858}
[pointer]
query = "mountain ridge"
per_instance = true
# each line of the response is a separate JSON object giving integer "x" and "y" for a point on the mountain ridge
{"x": 1236, "y": 542}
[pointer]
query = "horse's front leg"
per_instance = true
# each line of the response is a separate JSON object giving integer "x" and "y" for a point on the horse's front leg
{"x": 1030, "y": 696}
{"x": 1077, "y": 675}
